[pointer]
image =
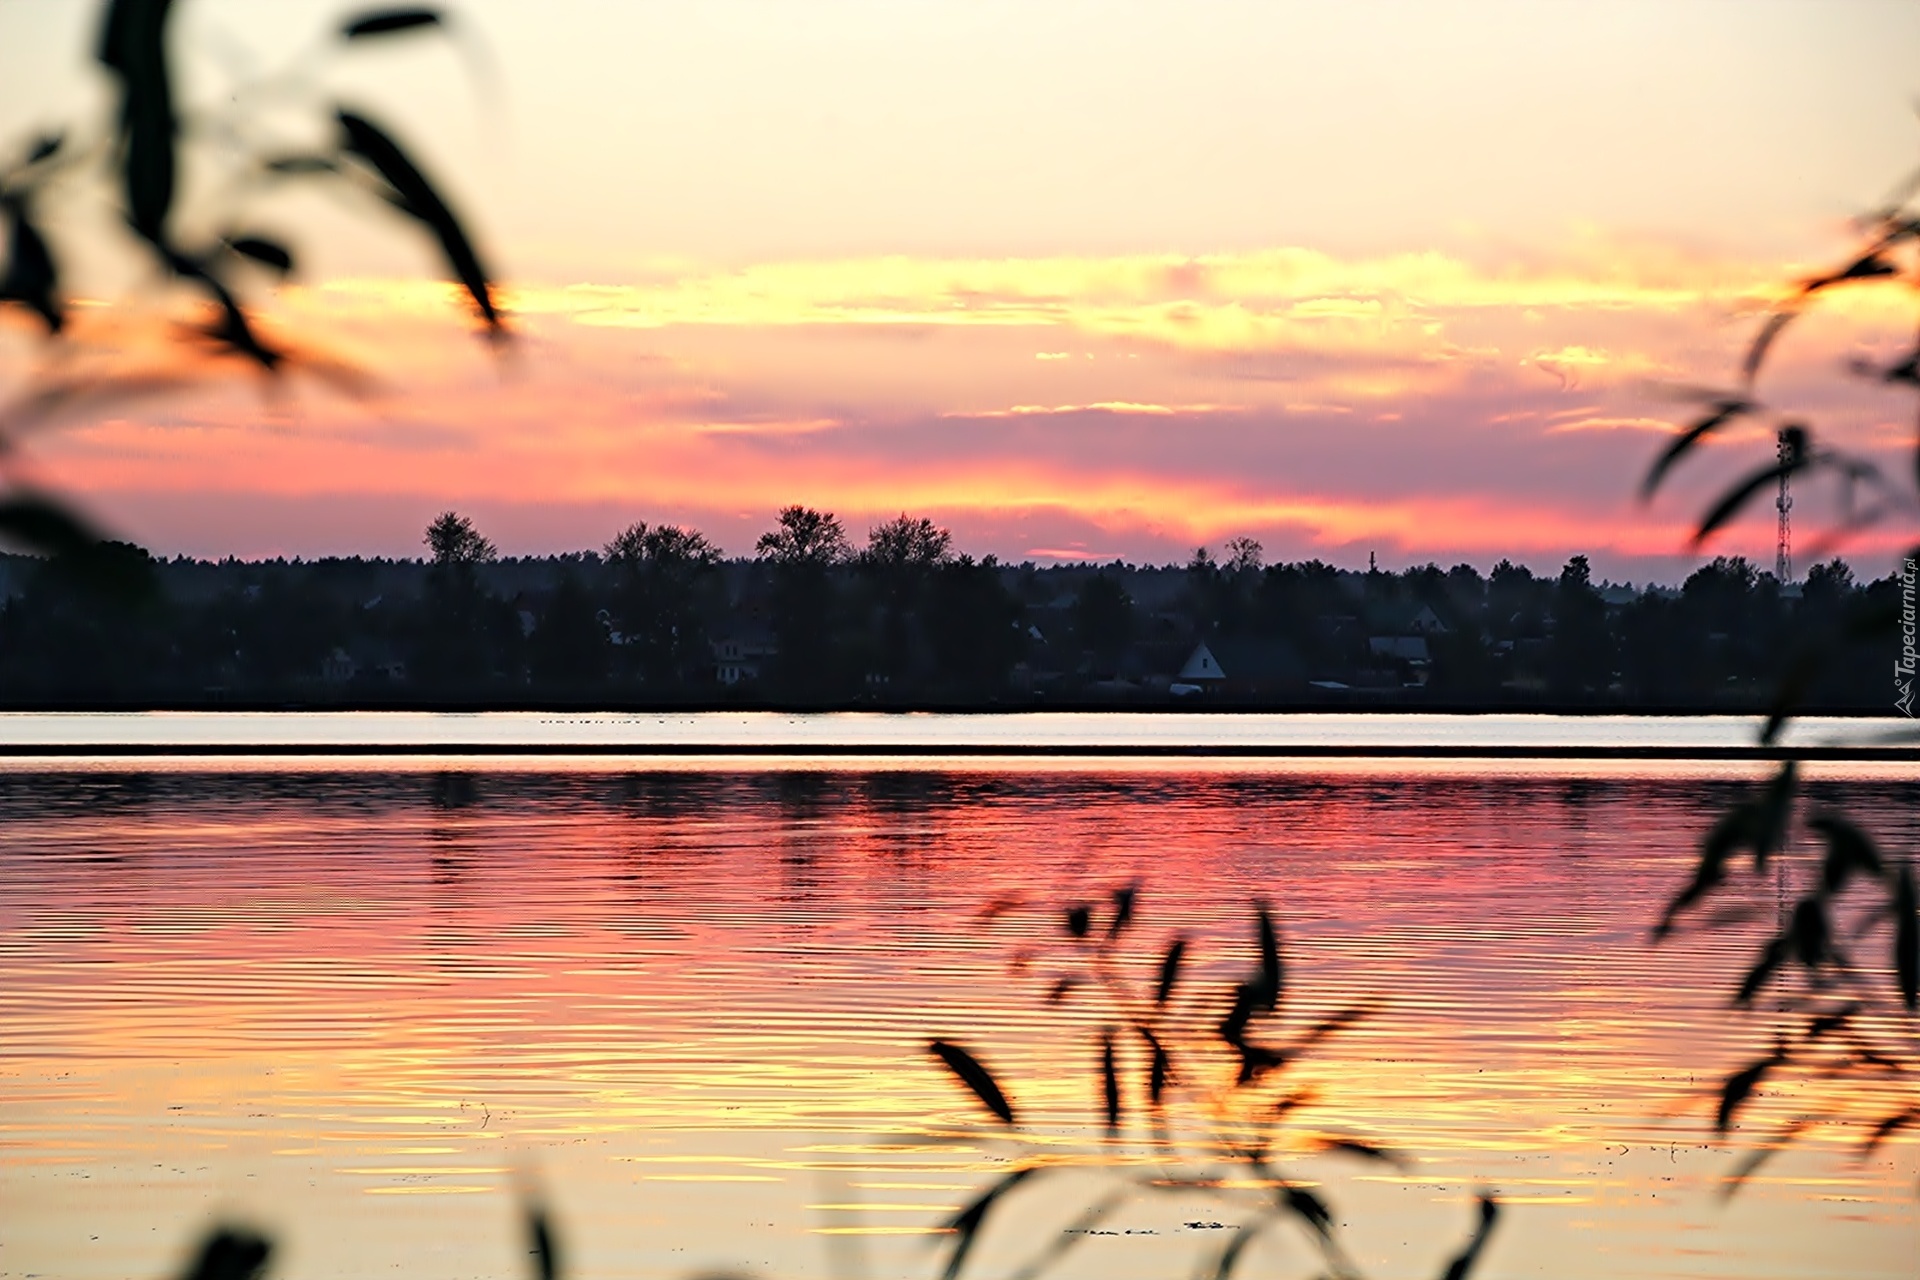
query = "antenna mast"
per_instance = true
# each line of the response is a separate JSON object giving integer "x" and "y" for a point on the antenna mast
{"x": 1783, "y": 543}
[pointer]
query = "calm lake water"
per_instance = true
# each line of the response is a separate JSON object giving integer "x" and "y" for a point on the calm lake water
{"x": 353, "y": 1002}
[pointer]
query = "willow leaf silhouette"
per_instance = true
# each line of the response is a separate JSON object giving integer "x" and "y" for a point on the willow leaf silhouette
{"x": 31, "y": 278}
{"x": 413, "y": 195}
{"x": 58, "y": 396}
{"x": 1887, "y": 1127}
{"x": 45, "y": 526}
{"x": 1294, "y": 1101}
{"x": 1764, "y": 340}
{"x": 1737, "y": 828}
{"x": 1328, "y": 1026}
{"x": 1079, "y": 919}
{"x": 1907, "y": 370}
{"x": 1159, "y": 1070}
{"x": 1310, "y": 1208}
{"x": 1123, "y": 900}
{"x": 1803, "y": 670}
{"x": 1776, "y": 953}
{"x": 1906, "y": 936}
{"x": 1871, "y": 265}
{"x": 1365, "y": 1150}
{"x": 1272, "y": 979}
{"x": 133, "y": 47}
{"x": 1774, "y": 814}
{"x": 543, "y": 1245}
{"x": 1256, "y": 1060}
{"x": 1061, "y": 989}
{"x": 1169, "y": 971}
{"x": 1834, "y": 1020}
{"x": 1463, "y": 1262}
{"x": 967, "y": 1223}
{"x": 294, "y": 166}
{"x": 1740, "y": 1086}
{"x": 1233, "y": 1027}
{"x": 1230, "y": 1256}
{"x": 1850, "y": 851}
{"x": 1798, "y": 459}
{"x": 1750, "y": 1164}
{"x": 230, "y": 1254}
{"x": 1811, "y": 934}
{"x": 975, "y": 1076}
{"x": 46, "y": 148}
{"x": 1110, "y": 1082}
{"x": 233, "y": 330}
{"x": 1723, "y": 411}
{"x": 389, "y": 21}
{"x": 268, "y": 253}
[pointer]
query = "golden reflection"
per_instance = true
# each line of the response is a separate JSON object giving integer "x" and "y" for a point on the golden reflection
{"x": 698, "y": 994}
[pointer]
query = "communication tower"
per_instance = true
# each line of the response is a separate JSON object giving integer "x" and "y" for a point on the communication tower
{"x": 1783, "y": 543}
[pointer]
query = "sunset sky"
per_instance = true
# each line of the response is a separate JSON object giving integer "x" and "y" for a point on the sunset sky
{"x": 1077, "y": 280}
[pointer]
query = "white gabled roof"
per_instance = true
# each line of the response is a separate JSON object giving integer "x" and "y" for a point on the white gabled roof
{"x": 1202, "y": 665}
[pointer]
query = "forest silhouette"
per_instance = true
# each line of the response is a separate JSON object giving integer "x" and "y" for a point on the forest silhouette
{"x": 658, "y": 617}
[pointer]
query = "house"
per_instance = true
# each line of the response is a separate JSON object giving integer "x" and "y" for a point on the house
{"x": 1408, "y": 649}
{"x": 1402, "y": 618}
{"x": 361, "y": 662}
{"x": 740, "y": 656}
{"x": 339, "y": 667}
{"x": 1404, "y": 656}
{"x": 1243, "y": 666}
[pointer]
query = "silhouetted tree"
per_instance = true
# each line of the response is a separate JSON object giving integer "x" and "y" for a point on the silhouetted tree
{"x": 1103, "y": 620}
{"x": 452, "y": 540}
{"x": 567, "y": 654}
{"x": 1244, "y": 556}
{"x": 454, "y": 651}
{"x": 974, "y": 627}
{"x": 802, "y": 554}
{"x": 1828, "y": 585}
{"x": 907, "y": 542}
{"x": 898, "y": 564}
{"x": 662, "y": 577}
{"x": 1580, "y": 656}
{"x": 66, "y": 639}
{"x": 805, "y": 537}
{"x": 1657, "y": 658}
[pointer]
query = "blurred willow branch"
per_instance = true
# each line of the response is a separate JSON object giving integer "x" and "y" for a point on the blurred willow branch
{"x": 138, "y": 158}
{"x": 1838, "y": 1018}
{"x": 1212, "y": 1086}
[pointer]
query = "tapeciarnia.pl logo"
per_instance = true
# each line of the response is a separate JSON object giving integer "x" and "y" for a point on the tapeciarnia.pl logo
{"x": 1903, "y": 665}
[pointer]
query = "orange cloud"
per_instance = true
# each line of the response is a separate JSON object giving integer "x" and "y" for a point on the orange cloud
{"x": 1394, "y": 401}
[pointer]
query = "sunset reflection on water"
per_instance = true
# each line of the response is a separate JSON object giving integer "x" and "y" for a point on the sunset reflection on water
{"x": 354, "y": 1003}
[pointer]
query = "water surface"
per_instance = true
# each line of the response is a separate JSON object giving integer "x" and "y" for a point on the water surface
{"x": 353, "y": 1002}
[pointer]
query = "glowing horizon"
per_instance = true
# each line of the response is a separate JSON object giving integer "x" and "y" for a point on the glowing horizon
{"x": 1058, "y": 359}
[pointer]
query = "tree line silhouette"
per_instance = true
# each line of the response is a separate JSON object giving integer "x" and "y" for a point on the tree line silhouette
{"x": 659, "y": 616}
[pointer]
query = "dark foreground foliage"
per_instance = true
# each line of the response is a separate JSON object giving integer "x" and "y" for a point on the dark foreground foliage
{"x": 1205, "y": 1084}
{"x": 1836, "y": 978}
{"x": 205, "y": 258}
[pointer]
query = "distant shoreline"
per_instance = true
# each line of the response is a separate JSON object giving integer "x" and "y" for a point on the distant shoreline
{"x": 1115, "y": 734}
{"x": 1160, "y": 709}
{"x": 660, "y": 751}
